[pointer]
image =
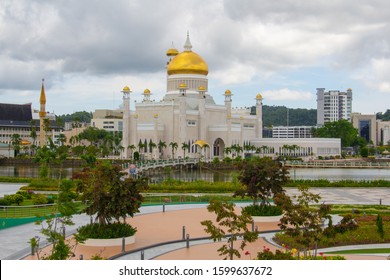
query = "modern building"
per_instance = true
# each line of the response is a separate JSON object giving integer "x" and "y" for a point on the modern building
{"x": 366, "y": 126}
{"x": 109, "y": 120}
{"x": 292, "y": 131}
{"x": 383, "y": 132}
{"x": 333, "y": 105}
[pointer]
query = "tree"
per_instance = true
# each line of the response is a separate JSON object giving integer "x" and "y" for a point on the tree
{"x": 110, "y": 196}
{"x": 262, "y": 178}
{"x": 131, "y": 147}
{"x": 161, "y": 145}
{"x": 230, "y": 225}
{"x": 184, "y": 147}
{"x": 62, "y": 139}
{"x": 342, "y": 129}
{"x": 173, "y": 146}
{"x": 300, "y": 220}
{"x": 16, "y": 141}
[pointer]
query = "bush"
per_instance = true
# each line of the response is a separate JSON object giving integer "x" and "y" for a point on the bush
{"x": 99, "y": 231}
{"x": 348, "y": 223}
{"x": 25, "y": 194}
{"x": 4, "y": 202}
{"x": 39, "y": 199}
{"x": 266, "y": 254}
{"x": 262, "y": 210}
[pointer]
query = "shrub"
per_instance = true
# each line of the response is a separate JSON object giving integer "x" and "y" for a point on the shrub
{"x": 100, "y": 231}
{"x": 262, "y": 210}
{"x": 4, "y": 202}
{"x": 379, "y": 226}
{"x": 266, "y": 254}
{"x": 25, "y": 194}
{"x": 39, "y": 199}
{"x": 348, "y": 223}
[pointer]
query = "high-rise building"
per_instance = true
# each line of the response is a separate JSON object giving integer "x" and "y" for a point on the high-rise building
{"x": 333, "y": 105}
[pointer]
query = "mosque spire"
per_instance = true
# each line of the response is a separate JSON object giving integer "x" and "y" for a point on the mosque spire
{"x": 42, "y": 99}
{"x": 187, "y": 45}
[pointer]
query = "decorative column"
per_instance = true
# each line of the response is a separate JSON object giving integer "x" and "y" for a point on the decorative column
{"x": 155, "y": 136}
{"x": 202, "y": 127}
{"x": 228, "y": 105}
{"x": 182, "y": 116}
{"x": 259, "y": 116}
{"x": 126, "y": 121}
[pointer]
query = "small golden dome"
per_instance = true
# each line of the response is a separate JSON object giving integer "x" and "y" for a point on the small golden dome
{"x": 147, "y": 91}
{"x": 182, "y": 86}
{"x": 201, "y": 88}
{"x": 172, "y": 52}
{"x": 259, "y": 96}
{"x": 187, "y": 62}
{"x": 155, "y": 116}
{"x": 349, "y": 89}
{"x": 228, "y": 92}
{"x": 126, "y": 88}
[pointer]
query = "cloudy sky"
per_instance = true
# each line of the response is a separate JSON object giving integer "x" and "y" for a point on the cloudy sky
{"x": 88, "y": 50}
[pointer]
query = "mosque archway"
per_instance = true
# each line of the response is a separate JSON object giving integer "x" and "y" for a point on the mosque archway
{"x": 218, "y": 148}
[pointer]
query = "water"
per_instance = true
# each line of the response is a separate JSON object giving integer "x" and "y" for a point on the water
{"x": 331, "y": 174}
{"x": 33, "y": 171}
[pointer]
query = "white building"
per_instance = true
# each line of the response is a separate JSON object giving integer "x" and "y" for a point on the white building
{"x": 333, "y": 105}
{"x": 188, "y": 113}
{"x": 292, "y": 131}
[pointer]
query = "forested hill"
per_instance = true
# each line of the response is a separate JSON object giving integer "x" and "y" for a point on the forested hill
{"x": 277, "y": 115}
{"x": 77, "y": 116}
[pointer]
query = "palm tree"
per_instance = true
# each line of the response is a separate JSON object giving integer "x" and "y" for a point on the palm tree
{"x": 173, "y": 146}
{"x": 62, "y": 139}
{"x": 131, "y": 147}
{"x": 152, "y": 146}
{"x": 16, "y": 141}
{"x": 184, "y": 147}
{"x": 227, "y": 150}
{"x": 161, "y": 145}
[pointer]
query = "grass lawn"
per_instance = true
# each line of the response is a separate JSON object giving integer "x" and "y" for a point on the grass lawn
{"x": 362, "y": 251}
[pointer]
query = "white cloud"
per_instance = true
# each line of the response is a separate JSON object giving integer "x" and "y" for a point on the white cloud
{"x": 287, "y": 94}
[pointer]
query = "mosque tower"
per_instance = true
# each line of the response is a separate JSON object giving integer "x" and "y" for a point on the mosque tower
{"x": 42, "y": 115}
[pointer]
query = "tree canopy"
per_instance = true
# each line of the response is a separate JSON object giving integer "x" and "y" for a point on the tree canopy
{"x": 262, "y": 178}
{"x": 109, "y": 195}
{"x": 342, "y": 129}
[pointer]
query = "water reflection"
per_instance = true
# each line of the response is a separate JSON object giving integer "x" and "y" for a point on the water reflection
{"x": 33, "y": 171}
{"x": 331, "y": 174}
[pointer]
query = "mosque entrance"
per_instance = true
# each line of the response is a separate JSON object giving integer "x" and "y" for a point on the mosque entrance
{"x": 218, "y": 148}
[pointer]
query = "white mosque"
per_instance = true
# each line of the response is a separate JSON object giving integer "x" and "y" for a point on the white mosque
{"x": 188, "y": 116}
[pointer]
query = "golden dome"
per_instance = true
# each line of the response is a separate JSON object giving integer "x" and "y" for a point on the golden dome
{"x": 228, "y": 92}
{"x": 182, "y": 86}
{"x": 126, "y": 88}
{"x": 201, "y": 143}
{"x": 201, "y": 88}
{"x": 259, "y": 96}
{"x": 187, "y": 62}
{"x": 147, "y": 91}
{"x": 172, "y": 52}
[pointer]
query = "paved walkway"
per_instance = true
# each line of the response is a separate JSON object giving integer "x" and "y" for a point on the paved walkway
{"x": 159, "y": 227}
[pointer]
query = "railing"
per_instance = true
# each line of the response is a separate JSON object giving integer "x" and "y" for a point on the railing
{"x": 142, "y": 166}
{"x": 338, "y": 164}
{"x": 27, "y": 211}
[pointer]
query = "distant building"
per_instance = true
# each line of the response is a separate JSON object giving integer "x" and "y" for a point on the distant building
{"x": 383, "y": 132}
{"x": 292, "y": 132}
{"x": 333, "y": 105}
{"x": 21, "y": 119}
{"x": 366, "y": 125}
{"x": 109, "y": 120}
